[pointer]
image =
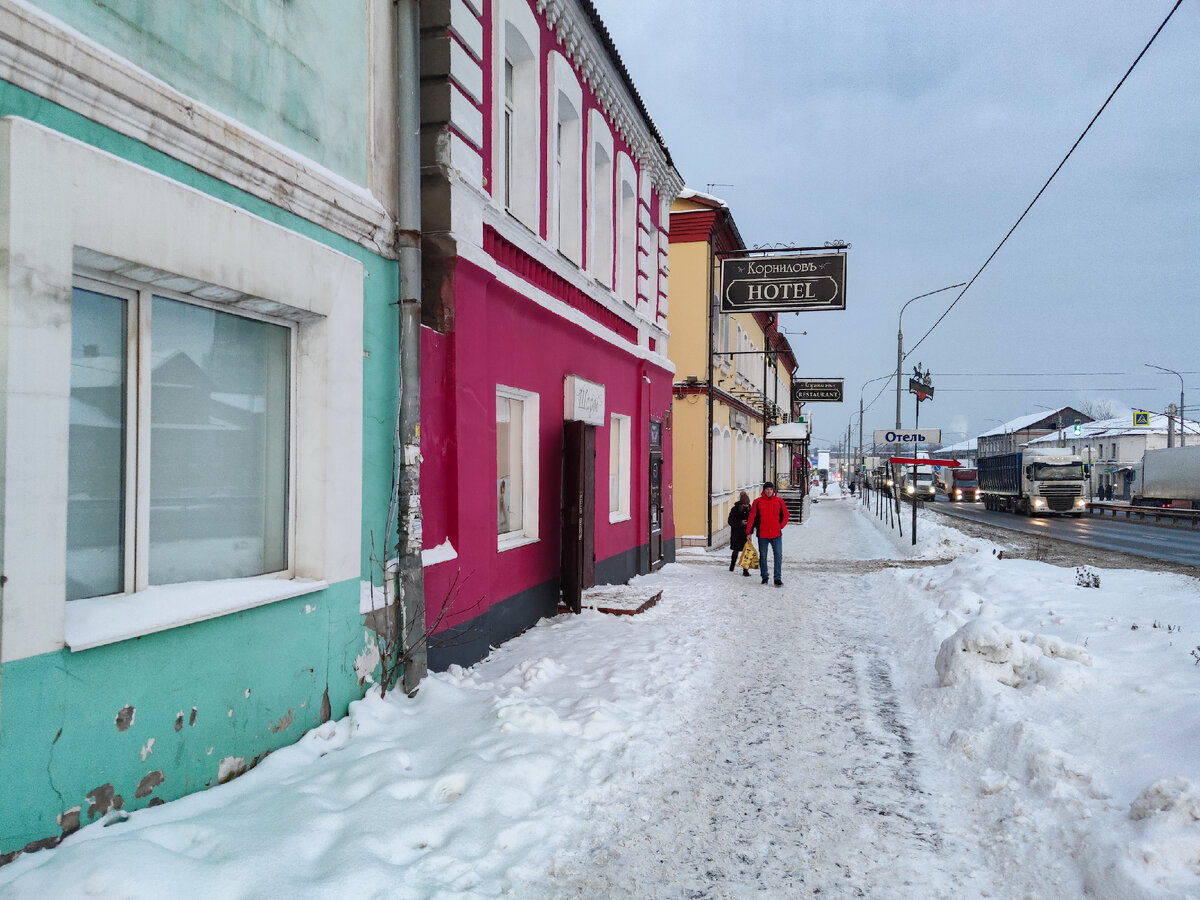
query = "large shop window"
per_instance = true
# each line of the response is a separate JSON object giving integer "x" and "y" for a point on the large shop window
{"x": 618, "y": 468}
{"x": 205, "y": 402}
{"x": 516, "y": 466}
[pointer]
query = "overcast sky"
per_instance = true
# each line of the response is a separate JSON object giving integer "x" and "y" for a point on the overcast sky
{"x": 919, "y": 132}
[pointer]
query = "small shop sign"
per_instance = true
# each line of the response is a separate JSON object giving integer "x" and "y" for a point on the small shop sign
{"x": 583, "y": 401}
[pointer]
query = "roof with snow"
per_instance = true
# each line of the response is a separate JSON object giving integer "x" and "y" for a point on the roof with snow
{"x": 693, "y": 194}
{"x": 1020, "y": 423}
{"x": 1123, "y": 425}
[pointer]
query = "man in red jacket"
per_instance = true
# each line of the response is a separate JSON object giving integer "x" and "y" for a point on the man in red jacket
{"x": 769, "y": 514}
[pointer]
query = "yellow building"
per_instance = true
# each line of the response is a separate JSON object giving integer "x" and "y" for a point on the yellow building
{"x": 733, "y": 379}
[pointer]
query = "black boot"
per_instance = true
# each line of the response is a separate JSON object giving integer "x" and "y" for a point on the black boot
{"x": 734, "y": 560}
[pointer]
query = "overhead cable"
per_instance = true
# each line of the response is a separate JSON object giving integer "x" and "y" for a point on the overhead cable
{"x": 1048, "y": 180}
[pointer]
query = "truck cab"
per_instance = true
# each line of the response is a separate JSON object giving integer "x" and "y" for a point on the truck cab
{"x": 964, "y": 486}
{"x": 921, "y": 486}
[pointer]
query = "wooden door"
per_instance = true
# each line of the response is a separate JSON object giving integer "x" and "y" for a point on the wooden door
{"x": 579, "y": 512}
{"x": 656, "y": 506}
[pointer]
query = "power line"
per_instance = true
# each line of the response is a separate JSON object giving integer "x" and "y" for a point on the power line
{"x": 1029, "y": 390}
{"x": 1048, "y": 180}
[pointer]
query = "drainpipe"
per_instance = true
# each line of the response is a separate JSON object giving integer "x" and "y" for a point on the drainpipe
{"x": 410, "y": 591}
{"x": 709, "y": 323}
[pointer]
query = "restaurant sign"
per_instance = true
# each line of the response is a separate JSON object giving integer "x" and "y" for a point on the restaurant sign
{"x": 817, "y": 390}
{"x": 783, "y": 283}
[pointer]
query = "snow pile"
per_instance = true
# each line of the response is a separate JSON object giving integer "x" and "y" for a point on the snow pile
{"x": 450, "y": 794}
{"x": 935, "y": 539}
{"x": 1068, "y": 699}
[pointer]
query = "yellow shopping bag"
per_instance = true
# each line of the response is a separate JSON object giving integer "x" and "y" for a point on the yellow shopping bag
{"x": 749, "y": 557}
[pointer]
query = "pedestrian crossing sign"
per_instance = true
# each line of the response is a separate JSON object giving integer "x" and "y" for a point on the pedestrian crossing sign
{"x": 1140, "y": 418}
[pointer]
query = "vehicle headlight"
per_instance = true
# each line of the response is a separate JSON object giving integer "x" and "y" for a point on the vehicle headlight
{"x": 958, "y": 494}
{"x": 1039, "y": 502}
{"x": 1079, "y": 501}
{"x": 909, "y": 489}
{"x": 889, "y": 482}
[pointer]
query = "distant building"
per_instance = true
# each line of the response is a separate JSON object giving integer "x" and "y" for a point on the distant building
{"x": 1009, "y": 437}
{"x": 733, "y": 380}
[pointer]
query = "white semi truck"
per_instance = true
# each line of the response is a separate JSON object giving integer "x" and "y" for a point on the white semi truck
{"x": 918, "y": 481}
{"x": 1168, "y": 477}
{"x": 1037, "y": 481}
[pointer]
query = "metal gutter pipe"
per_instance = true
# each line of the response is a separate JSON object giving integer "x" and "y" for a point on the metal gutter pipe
{"x": 411, "y": 576}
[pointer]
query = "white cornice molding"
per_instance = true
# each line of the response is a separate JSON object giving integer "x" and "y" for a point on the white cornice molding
{"x": 45, "y": 57}
{"x": 583, "y": 48}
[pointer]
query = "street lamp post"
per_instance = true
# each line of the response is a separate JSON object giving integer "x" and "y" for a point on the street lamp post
{"x": 1180, "y": 377}
{"x": 900, "y": 341}
{"x": 860, "y": 408}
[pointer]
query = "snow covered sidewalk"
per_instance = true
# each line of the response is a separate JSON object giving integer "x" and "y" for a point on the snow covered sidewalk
{"x": 887, "y": 724}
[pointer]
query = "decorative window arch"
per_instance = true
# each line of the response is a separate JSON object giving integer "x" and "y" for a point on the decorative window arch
{"x": 516, "y": 161}
{"x": 600, "y": 199}
{"x": 564, "y": 213}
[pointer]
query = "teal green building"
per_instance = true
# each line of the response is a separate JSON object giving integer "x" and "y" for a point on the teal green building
{"x": 198, "y": 389}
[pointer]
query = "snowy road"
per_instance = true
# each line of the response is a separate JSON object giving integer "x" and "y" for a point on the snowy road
{"x": 798, "y": 777}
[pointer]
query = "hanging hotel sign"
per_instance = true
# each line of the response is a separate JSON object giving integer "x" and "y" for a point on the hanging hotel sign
{"x": 817, "y": 390}
{"x": 783, "y": 283}
{"x": 583, "y": 401}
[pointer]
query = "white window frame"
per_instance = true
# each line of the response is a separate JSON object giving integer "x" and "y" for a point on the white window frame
{"x": 530, "y": 419}
{"x": 620, "y": 446}
{"x": 601, "y": 166}
{"x": 626, "y": 209}
{"x": 564, "y": 212}
{"x": 139, "y": 351}
{"x": 107, "y": 215}
{"x": 516, "y": 122}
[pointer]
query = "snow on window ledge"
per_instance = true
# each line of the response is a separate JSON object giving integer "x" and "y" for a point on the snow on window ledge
{"x": 107, "y": 620}
{"x": 513, "y": 541}
{"x": 615, "y": 517}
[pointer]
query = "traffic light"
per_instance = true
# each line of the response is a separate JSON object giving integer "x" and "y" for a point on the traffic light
{"x": 1078, "y": 430}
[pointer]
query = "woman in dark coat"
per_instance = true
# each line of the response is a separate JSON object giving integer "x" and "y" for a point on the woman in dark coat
{"x": 738, "y": 516}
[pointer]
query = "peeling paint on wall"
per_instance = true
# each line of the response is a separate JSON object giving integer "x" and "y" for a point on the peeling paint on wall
{"x": 125, "y": 718}
{"x": 179, "y": 721}
{"x": 147, "y": 785}
{"x": 68, "y": 820}
{"x": 283, "y": 723}
{"x": 230, "y": 767}
{"x": 368, "y": 660}
{"x": 192, "y": 718}
{"x": 102, "y": 799}
{"x": 326, "y": 709}
{"x": 148, "y": 749}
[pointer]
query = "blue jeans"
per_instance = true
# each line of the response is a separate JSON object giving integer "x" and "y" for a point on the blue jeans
{"x": 776, "y": 544}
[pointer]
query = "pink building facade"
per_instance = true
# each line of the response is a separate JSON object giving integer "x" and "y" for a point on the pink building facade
{"x": 545, "y": 387}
